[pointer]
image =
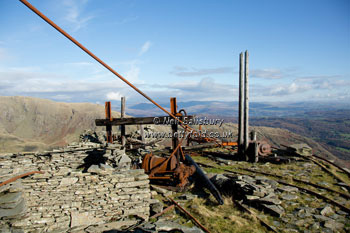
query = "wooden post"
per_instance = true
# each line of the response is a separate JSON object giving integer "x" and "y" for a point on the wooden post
{"x": 173, "y": 110}
{"x": 240, "y": 106}
{"x": 122, "y": 115}
{"x": 108, "y": 112}
{"x": 246, "y": 102}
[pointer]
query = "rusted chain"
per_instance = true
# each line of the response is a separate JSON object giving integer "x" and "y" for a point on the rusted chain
{"x": 20, "y": 176}
{"x": 188, "y": 214}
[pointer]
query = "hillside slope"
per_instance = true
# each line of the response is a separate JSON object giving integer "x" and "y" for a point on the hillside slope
{"x": 30, "y": 124}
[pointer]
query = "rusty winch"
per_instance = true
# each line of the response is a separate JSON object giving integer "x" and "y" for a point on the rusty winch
{"x": 160, "y": 168}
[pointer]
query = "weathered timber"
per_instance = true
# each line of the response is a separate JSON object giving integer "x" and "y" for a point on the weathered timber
{"x": 108, "y": 112}
{"x": 122, "y": 115}
{"x": 161, "y": 120}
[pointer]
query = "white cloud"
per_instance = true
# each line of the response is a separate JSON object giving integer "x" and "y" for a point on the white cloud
{"x": 74, "y": 14}
{"x": 267, "y": 73}
{"x": 145, "y": 47}
{"x": 113, "y": 96}
{"x": 192, "y": 72}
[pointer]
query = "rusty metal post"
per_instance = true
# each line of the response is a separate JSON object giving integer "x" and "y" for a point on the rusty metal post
{"x": 108, "y": 111}
{"x": 175, "y": 141}
{"x": 255, "y": 147}
{"x": 253, "y": 135}
{"x": 246, "y": 102}
{"x": 240, "y": 106}
{"x": 122, "y": 115}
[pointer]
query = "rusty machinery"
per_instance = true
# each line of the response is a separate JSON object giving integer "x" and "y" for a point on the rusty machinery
{"x": 178, "y": 167}
{"x": 173, "y": 167}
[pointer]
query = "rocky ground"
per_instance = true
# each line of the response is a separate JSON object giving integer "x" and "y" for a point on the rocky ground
{"x": 283, "y": 207}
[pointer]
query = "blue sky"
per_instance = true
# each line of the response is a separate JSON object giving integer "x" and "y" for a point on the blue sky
{"x": 299, "y": 50}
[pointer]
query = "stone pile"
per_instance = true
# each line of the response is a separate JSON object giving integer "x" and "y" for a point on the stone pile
{"x": 82, "y": 185}
{"x": 259, "y": 192}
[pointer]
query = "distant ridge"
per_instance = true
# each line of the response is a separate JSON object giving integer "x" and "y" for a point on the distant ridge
{"x": 31, "y": 124}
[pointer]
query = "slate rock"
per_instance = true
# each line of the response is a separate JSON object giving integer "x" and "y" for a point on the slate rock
{"x": 289, "y": 197}
{"x": 10, "y": 198}
{"x": 315, "y": 226}
{"x": 288, "y": 189}
{"x": 334, "y": 225}
{"x": 83, "y": 219}
{"x": 326, "y": 211}
{"x": 274, "y": 210}
{"x": 106, "y": 167}
{"x": 18, "y": 210}
{"x": 156, "y": 207}
{"x": 67, "y": 181}
{"x": 94, "y": 169}
{"x": 270, "y": 200}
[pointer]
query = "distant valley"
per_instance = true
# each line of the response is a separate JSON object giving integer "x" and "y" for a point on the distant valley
{"x": 326, "y": 123}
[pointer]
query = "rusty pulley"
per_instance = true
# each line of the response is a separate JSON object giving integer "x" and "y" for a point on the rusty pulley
{"x": 264, "y": 149}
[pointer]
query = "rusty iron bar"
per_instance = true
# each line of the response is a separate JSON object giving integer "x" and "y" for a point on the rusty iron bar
{"x": 20, "y": 176}
{"x": 334, "y": 164}
{"x": 174, "y": 128}
{"x": 64, "y": 33}
{"x": 190, "y": 215}
{"x": 164, "y": 211}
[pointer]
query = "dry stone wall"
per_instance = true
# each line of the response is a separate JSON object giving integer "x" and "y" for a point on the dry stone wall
{"x": 81, "y": 186}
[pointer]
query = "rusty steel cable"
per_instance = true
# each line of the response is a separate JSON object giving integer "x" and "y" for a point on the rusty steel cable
{"x": 45, "y": 18}
{"x": 20, "y": 176}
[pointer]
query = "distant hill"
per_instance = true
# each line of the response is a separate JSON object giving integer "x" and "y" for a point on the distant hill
{"x": 329, "y": 128}
{"x": 31, "y": 124}
{"x": 230, "y": 109}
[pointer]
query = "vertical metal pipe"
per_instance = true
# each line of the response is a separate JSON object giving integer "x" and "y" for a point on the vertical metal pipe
{"x": 122, "y": 115}
{"x": 240, "y": 106}
{"x": 246, "y": 101}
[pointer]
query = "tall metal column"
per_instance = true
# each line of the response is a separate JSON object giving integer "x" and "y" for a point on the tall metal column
{"x": 240, "y": 106}
{"x": 246, "y": 102}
